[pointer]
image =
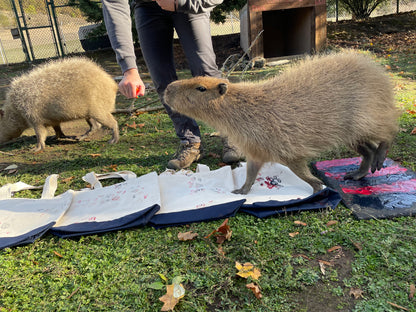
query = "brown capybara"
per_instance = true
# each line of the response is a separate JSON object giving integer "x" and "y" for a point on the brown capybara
{"x": 319, "y": 104}
{"x": 58, "y": 91}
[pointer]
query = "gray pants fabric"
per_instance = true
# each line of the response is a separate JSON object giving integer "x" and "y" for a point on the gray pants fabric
{"x": 155, "y": 28}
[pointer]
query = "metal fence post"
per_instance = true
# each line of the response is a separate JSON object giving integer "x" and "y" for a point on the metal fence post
{"x": 50, "y": 5}
{"x": 19, "y": 26}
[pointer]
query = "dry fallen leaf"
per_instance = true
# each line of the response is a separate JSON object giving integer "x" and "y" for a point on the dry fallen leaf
{"x": 255, "y": 289}
{"x": 397, "y": 306}
{"x": 66, "y": 180}
{"x": 187, "y": 236}
{"x": 358, "y": 246}
{"x": 303, "y": 256}
{"x": 331, "y": 223}
{"x": 174, "y": 292}
{"x": 222, "y": 233}
{"x": 58, "y": 254}
{"x": 322, "y": 267}
{"x": 322, "y": 264}
{"x": 297, "y": 222}
{"x": 334, "y": 248}
{"x": 293, "y": 234}
{"x": 413, "y": 131}
{"x": 412, "y": 291}
{"x": 356, "y": 293}
{"x": 247, "y": 270}
{"x": 95, "y": 155}
{"x": 133, "y": 125}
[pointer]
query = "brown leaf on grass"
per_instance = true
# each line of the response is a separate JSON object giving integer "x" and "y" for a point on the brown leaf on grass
{"x": 331, "y": 223}
{"x": 334, "y": 248}
{"x": 297, "y": 222}
{"x": 293, "y": 234}
{"x": 302, "y": 255}
{"x": 412, "y": 291}
{"x": 255, "y": 289}
{"x": 222, "y": 233}
{"x": 221, "y": 251}
{"x": 58, "y": 254}
{"x": 356, "y": 293}
{"x": 322, "y": 268}
{"x": 413, "y": 131}
{"x": 397, "y": 306}
{"x": 133, "y": 125}
{"x": 247, "y": 270}
{"x": 322, "y": 264}
{"x": 356, "y": 245}
{"x": 174, "y": 292}
{"x": 187, "y": 236}
{"x": 94, "y": 155}
{"x": 326, "y": 262}
{"x": 66, "y": 180}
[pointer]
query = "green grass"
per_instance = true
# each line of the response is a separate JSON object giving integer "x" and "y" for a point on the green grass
{"x": 115, "y": 271}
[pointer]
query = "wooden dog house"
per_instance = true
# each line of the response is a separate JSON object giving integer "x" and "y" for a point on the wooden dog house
{"x": 290, "y": 27}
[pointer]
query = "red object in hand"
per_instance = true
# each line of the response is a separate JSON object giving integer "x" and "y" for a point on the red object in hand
{"x": 138, "y": 91}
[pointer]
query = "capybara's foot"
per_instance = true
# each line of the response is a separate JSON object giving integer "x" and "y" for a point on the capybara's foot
{"x": 355, "y": 175}
{"x": 242, "y": 191}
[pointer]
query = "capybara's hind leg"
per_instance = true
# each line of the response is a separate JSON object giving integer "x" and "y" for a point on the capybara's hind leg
{"x": 58, "y": 132}
{"x": 380, "y": 156}
{"x": 94, "y": 126}
{"x": 253, "y": 168}
{"x": 109, "y": 121}
{"x": 301, "y": 169}
{"x": 368, "y": 151}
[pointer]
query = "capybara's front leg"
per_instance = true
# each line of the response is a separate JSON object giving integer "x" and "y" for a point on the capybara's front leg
{"x": 380, "y": 156}
{"x": 253, "y": 168}
{"x": 368, "y": 151}
{"x": 41, "y": 133}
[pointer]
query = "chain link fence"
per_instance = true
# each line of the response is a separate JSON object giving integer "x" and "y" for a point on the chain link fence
{"x": 40, "y": 29}
{"x": 336, "y": 12}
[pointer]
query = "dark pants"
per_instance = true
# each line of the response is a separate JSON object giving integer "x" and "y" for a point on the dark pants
{"x": 155, "y": 28}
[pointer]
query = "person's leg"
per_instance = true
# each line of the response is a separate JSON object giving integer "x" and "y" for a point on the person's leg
{"x": 155, "y": 31}
{"x": 195, "y": 36}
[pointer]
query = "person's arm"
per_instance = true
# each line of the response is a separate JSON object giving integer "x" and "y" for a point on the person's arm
{"x": 189, "y": 6}
{"x": 118, "y": 24}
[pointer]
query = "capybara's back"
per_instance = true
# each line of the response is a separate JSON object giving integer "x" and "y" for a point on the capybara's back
{"x": 318, "y": 104}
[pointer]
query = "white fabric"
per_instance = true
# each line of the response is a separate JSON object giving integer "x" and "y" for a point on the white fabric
{"x": 173, "y": 192}
{"x": 185, "y": 190}
{"x": 112, "y": 202}
{"x": 19, "y": 216}
{"x": 274, "y": 182}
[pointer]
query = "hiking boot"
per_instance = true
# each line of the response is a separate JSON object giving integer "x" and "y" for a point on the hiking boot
{"x": 187, "y": 153}
{"x": 230, "y": 153}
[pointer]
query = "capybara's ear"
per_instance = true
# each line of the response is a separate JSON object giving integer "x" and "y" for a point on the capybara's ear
{"x": 222, "y": 88}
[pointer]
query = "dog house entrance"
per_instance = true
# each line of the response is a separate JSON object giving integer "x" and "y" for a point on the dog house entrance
{"x": 290, "y": 27}
{"x": 287, "y": 32}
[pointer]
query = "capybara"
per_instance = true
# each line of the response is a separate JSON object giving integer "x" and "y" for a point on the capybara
{"x": 58, "y": 91}
{"x": 319, "y": 104}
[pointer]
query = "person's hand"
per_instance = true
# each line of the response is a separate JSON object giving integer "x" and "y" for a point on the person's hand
{"x": 167, "y": 5}
{"x": 131, "y": 85}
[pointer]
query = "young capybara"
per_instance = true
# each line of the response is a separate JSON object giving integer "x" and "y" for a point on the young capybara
{"x": 58, "y": 91}
{"x": 319, "y": 104}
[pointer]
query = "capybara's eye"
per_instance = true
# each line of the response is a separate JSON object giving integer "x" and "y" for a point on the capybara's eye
{"x": 201, "y": 89}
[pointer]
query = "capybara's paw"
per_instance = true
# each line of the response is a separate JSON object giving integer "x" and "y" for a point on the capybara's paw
{"x": 241, "y": 191}
{"x": 355, "y": 175}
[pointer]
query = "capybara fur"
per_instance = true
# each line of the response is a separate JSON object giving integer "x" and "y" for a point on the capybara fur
{"x": 319, "y": 104}
{"x": 59, "y": 91}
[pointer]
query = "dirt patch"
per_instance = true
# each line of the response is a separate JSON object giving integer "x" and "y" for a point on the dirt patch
{"x": 329, "y": 293}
